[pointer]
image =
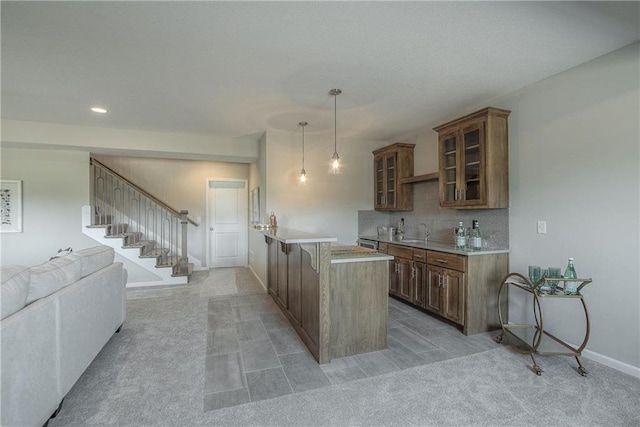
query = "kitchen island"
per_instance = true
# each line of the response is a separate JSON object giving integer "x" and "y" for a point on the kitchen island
{"x": 336, "y": 300}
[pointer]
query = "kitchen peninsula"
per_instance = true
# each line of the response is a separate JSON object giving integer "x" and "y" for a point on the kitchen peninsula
{"x": 334, "y": 296}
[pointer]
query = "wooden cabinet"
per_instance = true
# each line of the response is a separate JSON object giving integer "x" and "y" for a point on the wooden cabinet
{"x": 294, "y": 282}
{"x": 474, "y": 160}
{"x": 401, "y": 272}
{"x": 460, "y": 288}
{"x": 283, "y": 267}
{"x": 420, "y": 280}
{"x": 272, "y": 262}
{"x": 445, "y": 293}
{"x": 390, "y": 165}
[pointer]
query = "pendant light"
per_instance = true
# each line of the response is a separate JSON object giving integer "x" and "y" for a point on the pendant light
{"x": 335, "y": 159}
{"x": 303, "y": 173}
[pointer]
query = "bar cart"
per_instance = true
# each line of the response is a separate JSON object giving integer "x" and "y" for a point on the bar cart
{"x": 532, "y": 338}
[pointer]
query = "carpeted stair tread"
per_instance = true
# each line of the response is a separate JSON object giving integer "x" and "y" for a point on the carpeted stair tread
{"x": 154, "y": 253}
{"x": 176, "y": 274}
{"x": 138, "y": 244}
{"x": 170, "y": 261}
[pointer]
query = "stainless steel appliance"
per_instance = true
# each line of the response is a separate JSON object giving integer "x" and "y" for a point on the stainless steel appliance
{"x": 366, "y": 243}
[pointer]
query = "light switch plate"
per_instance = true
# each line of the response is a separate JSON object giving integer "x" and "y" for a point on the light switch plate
{"x": 542, "y": 227}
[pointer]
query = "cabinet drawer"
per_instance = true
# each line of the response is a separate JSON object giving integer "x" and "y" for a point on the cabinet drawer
{"x": 420, "y": 255}
{"x": 382, "y": 247}
{"x": 443, "y": 259}
{"x": 400, "y": 251}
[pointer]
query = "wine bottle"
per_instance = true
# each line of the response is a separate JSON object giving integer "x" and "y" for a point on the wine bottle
{"x": 461, "y": 238}
{"x": 476, "y": 239}
{"x": 570, "y": 287}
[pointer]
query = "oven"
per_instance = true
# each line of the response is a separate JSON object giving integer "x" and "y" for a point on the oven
{"x": 366, "y": 243}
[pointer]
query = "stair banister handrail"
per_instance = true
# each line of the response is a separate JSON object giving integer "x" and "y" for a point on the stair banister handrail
{"x": 151, "y": 197}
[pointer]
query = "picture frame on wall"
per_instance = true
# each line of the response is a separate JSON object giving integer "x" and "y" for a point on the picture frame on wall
{"x": 255, "y": 206}
{"x": 10, "y": 206}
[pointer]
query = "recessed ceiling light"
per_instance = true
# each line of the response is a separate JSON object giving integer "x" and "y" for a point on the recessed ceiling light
{"x": 98, "y": 110}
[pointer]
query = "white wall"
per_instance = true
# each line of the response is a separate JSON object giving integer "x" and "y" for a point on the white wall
{"x": 55, "y": 186}
{"x": 327, "y": 203}
{"x": 257, "y": 246}
{"x": 574, "y": 162}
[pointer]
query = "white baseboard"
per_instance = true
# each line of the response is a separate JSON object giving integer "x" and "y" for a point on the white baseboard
{"x": 254, "y": 273}
{"x": 634, "y": 371}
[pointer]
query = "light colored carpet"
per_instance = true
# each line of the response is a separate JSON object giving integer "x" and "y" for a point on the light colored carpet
{"x": 152, "y": 374}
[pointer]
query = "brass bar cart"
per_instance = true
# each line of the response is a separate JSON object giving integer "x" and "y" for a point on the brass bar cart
{"x": 532, "y": 338}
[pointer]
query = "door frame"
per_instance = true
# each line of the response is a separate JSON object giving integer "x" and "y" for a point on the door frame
{"x": 208, "y": 239}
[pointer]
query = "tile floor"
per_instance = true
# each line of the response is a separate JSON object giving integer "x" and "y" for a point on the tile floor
{"x": 254, "y": 354}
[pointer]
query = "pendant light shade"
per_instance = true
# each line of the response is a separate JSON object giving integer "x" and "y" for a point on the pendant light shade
{"x": 303, "y": 173}
{"x": 335, "y": 159}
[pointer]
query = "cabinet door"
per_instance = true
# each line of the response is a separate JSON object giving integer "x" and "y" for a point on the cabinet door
{"x": 272, "y": 260}
{"x": 449, "y": 161}
{"x": 393, "y": 278}
{"x": 420, "y": 283}
{"x": 434, "y": 282}
{"x": 405, "y": 279}
{"x": 391, "y": 179}
{"x": 453, "y": 296}
{"x": 472, "y": 179}
{"x": 379, "y": 173}
{"x": 294, "y": 279}
{"x": 282, "y": 274}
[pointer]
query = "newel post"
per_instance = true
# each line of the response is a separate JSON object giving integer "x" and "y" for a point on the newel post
{"x": 184, "y": 260}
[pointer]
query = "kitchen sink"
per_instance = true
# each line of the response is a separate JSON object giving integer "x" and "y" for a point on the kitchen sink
{"x": 412, "y": 241}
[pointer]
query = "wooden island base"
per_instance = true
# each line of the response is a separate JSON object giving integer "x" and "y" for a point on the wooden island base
{"x": 336, "y": 301}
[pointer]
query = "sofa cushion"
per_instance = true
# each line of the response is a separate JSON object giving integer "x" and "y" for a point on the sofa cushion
{"x": 53, "y": 275}
{"x": 94, "y": 259}
{"x": 14, "y": 289}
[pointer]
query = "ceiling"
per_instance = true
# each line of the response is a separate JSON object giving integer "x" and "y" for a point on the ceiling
{"x": 241, "y": 68}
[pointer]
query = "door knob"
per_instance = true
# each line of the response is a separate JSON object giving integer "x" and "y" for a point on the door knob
{"x": 210, "y": 228}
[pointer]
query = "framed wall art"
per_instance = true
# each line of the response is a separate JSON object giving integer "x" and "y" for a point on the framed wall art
{"x": 10, "y": 206}
{"x": 255, "y": 206}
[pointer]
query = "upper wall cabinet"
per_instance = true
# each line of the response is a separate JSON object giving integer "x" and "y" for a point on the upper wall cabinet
{"x": 474, "y": 160}
{"x": 390, "y": 165}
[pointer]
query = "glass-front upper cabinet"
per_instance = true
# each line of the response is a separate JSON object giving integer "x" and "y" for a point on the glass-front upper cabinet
{"x": 390, "y": 165}
{"x": 473, "y": 160}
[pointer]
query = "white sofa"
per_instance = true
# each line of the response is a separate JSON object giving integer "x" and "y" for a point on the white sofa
{"x": 55, "y": 319}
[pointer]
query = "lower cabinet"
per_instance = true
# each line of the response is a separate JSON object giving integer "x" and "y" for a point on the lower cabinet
{"x": 295, "y": 286}
{"x": 445, "y": 293}
{"x": 462, "y": 289}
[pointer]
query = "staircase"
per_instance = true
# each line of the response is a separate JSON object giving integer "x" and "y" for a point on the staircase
{"x": 138, "y": 226}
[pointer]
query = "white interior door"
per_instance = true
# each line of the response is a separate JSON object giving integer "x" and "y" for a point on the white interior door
{"x": 227, "y": 220}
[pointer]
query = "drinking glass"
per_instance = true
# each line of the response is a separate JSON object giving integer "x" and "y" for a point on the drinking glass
{"x": 534, "y": 273}
{"x": 554, "y": 272}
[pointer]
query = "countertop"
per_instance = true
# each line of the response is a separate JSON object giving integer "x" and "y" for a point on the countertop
{"x": 436, "y": 246}
{"x": 288, "y": 235}
{"x": 345, "y": 254}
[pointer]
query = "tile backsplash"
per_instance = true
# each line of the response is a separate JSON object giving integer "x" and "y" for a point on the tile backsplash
{"x": 440, "y": 222}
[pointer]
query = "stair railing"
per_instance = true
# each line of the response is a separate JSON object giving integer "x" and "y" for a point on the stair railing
{"x": 132, "y": 212}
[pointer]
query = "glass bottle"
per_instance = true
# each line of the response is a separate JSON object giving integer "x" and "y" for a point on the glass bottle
{"x": 461, "y": 238}
{"x": 401, "y": 229}
{"x": 273, "y": 222}
{"x": 476, "y": 239}
{"x": 570, "y": 287}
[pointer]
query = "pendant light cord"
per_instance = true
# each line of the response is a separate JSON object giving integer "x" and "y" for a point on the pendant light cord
{"x": 335, "y": 123}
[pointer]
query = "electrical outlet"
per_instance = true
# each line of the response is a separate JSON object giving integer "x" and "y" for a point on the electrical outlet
{"x": 542, "y": 227}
